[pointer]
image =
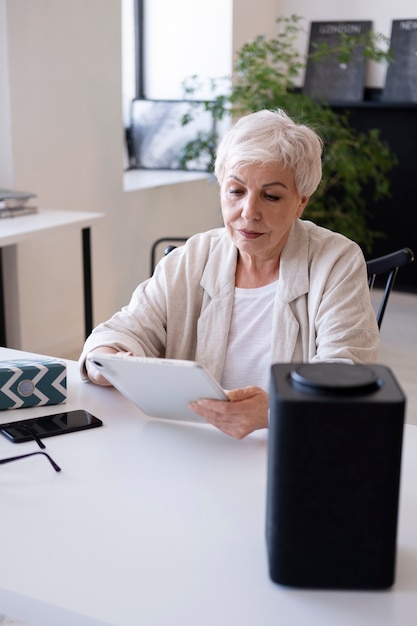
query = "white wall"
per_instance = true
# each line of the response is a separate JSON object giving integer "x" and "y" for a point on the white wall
{"x": 252, "y": 18}
{"x": 5, "y": 127}
{"x": 61, "y": 136}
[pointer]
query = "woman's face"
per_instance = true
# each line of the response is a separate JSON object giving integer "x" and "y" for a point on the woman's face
{"x": 259, "y": 205}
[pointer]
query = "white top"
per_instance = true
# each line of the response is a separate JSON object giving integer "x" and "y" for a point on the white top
{"x": 248, "y": 354}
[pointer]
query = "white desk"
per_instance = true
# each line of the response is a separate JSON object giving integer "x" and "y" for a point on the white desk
{"x": 159, "y": 524}
{"x": 15, "y": 230}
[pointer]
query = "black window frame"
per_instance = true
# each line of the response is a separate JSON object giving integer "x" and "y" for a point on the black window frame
{"x": 139, "y": 12}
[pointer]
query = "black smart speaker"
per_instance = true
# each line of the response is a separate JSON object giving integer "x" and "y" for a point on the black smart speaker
{"x": 334, "y": 457}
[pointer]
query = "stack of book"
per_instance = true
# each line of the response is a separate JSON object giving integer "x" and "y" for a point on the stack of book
{"x": 14, "y": 203}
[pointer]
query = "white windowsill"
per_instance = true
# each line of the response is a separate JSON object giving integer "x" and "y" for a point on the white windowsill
{"x": 146, "y": 179}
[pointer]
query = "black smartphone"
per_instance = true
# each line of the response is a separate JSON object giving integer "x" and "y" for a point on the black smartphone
{"x": 49, "y": 425}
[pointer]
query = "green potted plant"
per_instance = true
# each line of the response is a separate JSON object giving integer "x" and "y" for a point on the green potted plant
{"x": 264, "y": 76}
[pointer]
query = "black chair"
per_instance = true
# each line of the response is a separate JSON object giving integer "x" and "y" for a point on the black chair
{"x": 168, "y": 242}
{"x": 387, "y": 267}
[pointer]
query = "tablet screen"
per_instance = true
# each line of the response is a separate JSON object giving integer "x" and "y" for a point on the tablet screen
{"x": 159, "y": 387}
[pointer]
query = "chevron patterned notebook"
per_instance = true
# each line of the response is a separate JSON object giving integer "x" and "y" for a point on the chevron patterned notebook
{"x": 30, "y": 382}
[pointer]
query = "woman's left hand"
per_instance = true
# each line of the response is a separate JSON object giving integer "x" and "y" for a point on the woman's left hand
{"x": 246, "y": 411}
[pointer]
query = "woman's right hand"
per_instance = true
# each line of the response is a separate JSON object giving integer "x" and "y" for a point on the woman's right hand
{"x": 92, "y": 372}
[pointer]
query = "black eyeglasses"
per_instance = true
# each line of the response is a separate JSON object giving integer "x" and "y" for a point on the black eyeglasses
{"x": 24, "y": 456}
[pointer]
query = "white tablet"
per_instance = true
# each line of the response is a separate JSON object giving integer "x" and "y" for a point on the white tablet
{"x": 159, "y": 387}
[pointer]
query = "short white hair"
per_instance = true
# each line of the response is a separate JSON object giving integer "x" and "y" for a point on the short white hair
{"x": 273, "y": 137}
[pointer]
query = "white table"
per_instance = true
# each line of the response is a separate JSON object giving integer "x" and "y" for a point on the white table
{"x": 153, "y": 523}
{"x": 14, "y": 230}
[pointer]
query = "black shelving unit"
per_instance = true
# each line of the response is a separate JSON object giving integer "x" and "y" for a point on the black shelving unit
{"x": 395, "y": 217}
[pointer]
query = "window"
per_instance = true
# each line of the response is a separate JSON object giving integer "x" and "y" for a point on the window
{"x": 184, "y": 38}
{"x": 165, "y": 42}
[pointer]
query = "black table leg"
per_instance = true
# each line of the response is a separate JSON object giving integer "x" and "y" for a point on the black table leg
{"x": 88, "y": 296}
{"x": 87, "y": 284}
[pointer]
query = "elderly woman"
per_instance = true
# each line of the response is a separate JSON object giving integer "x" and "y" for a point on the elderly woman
{"x": 267, "y": 288}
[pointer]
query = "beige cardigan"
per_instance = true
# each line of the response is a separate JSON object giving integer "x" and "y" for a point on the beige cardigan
{"x": 322, "y": 305}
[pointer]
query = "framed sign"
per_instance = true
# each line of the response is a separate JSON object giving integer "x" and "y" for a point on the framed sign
{"x": 328, "y": 78}
{"x": 401, "y": 80}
